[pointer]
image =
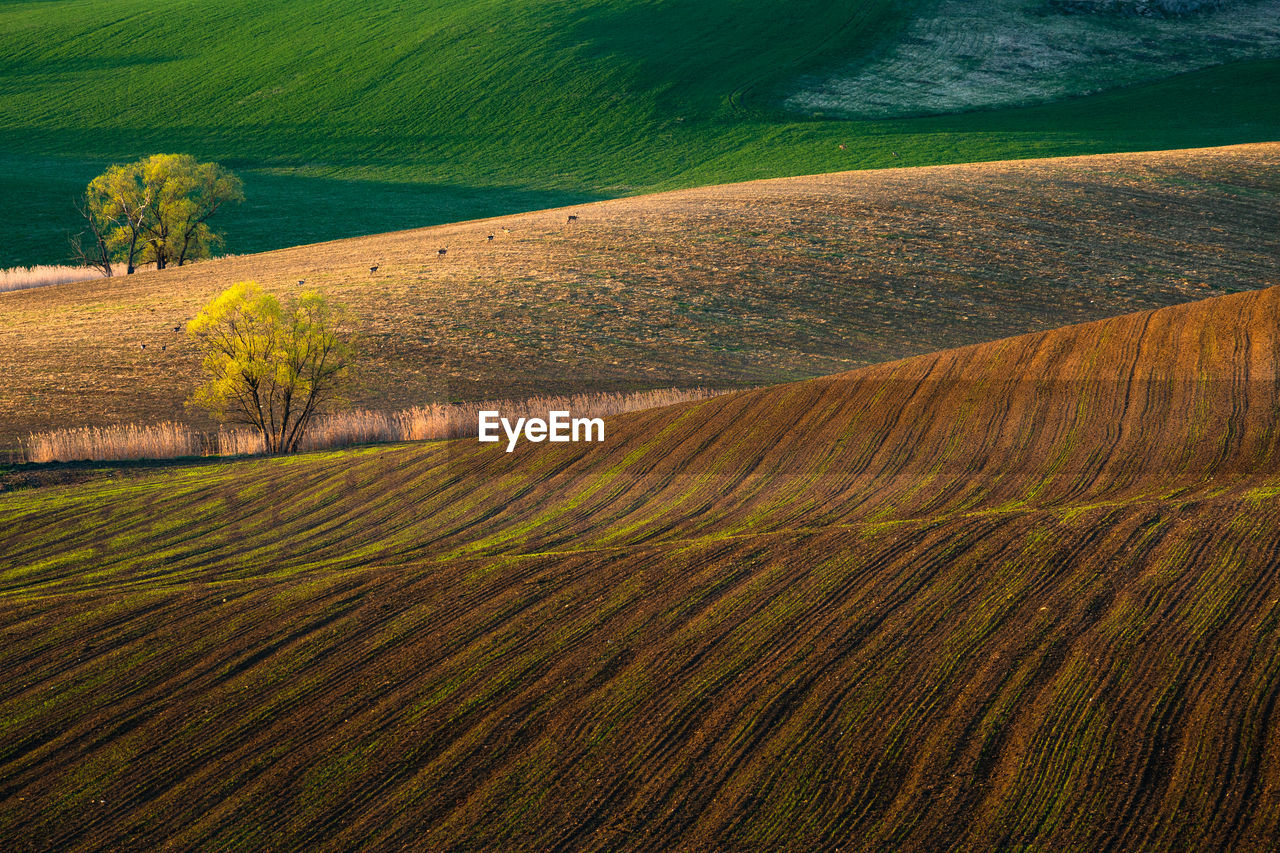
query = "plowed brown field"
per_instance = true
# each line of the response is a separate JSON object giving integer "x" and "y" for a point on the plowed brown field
{"x": 740, "y": 285}
{"x": 1020, "y": 595}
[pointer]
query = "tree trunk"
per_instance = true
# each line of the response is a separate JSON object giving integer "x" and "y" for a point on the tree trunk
{"x": 186, "y": 243}
{"x": 133, "y": 251}
{"x": 105, "y": 258}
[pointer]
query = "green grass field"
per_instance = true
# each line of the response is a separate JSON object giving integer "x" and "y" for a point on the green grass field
{"x": 358, "y": 118}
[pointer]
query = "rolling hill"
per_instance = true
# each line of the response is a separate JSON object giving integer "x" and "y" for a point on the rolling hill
{"x": 1016, "y": 595}
{"x": 727, "y": 286}
{"x": 353, "y": 118}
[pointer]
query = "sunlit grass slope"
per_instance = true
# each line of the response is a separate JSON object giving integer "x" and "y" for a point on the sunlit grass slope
{"x": 1020, "y": 595}
{"x": 728, "y": 286}
{"x": 351, "y": 118}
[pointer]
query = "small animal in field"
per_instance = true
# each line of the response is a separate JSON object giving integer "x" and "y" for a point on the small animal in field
{"x": 572, "y": 218}
{"x": 301, "y": 282}
{"x": 841, "y": 146}
{"x": 441, "y": 253}
{"x": 144, "y": 346}
{"x": 371, "y": 269}
{"x": 490, "y": 238}
{"x": 176, "y": 328}
{"x": 895, "y": 154}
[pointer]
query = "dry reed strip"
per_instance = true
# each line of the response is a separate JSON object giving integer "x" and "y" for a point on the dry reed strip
{"x": 43, "y": 275}
{"x": 459, "y": 420}
{"x": 166, "y": 440}
{"x": 22, "y": 278}
{"x": 432, "y": 422}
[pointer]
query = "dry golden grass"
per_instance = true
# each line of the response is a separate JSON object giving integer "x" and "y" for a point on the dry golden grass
{"x": 166, "y": 440}
{"x": 43, "y": 275}
{"x": 459, "y": 420}
{"x": 739, "y": 285}
{"x": 431, "y": 422}
{"x": 236, "y": 442}
{"x": 22, "y": 278}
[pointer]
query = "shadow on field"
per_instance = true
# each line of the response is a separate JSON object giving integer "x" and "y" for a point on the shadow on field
{"x": 30, "y": 475}
{"x": 279, "y": 209}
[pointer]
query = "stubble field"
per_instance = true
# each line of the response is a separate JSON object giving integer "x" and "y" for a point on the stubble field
{"x": 741, "y": 285}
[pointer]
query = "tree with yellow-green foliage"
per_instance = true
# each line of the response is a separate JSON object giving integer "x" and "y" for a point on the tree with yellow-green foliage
{"x": 117, "y": 206}
{"x": 155, "y": 210}
{"x": 269, "y": 364}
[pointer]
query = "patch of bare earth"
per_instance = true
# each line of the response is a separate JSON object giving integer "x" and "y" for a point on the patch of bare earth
{"x": 966, "y": 55}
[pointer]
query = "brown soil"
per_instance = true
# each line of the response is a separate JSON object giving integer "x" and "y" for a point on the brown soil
{"x": 1020, "y": 595}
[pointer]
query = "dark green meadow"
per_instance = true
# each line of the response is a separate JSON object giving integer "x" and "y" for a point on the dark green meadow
{"x": 349, "y": 119}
